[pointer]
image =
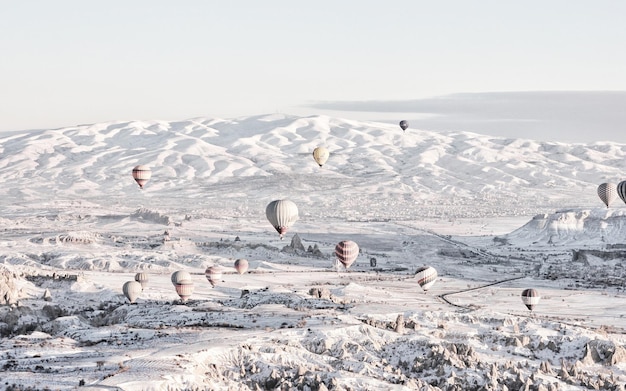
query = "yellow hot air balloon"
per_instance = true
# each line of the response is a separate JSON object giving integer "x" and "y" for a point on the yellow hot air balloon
{"x": 142, "y": 174}
{"x": 321, "y": 154}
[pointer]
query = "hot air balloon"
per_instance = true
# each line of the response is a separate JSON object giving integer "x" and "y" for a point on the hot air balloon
{"x": 282, "y": 214}
{"x": 179, "y": 276}
{"x": 621, "y": 190}
{"x": 607, "y": 193}
{"x": 142, "y": 174}
{"x": 184, "y": 289}
{"x": 241, "y": 265}
{"x": 142, "y": 278}
{"x": 426, "y": 277}
{"x": 530, "y": 297}
{"x": 131, "y": 290}
{"x": 321, "y": 154}
{"x": 346, "y": 252}
{"x": 404, "y": 125}
{"x": 213, "y": 274}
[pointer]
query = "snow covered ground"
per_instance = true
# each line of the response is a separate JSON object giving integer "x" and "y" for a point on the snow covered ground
{"x": 494, "y": 216}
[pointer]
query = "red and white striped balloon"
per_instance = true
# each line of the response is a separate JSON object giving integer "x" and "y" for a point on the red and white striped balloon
{"x": 347, "y": 251}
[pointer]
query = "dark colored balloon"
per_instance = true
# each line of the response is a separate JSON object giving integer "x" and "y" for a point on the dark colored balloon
{"x": 530, "y": 297}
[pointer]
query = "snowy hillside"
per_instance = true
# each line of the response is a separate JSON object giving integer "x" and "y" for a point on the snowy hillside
{"x": 420, "y": 173}
{"x": 493, "y": 216}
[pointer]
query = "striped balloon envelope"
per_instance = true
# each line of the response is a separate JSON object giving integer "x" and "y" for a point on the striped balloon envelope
{"x": 621, "y": 190}
{"x": 347, "y": 251}
{"x": 184, "y": 289}
{"x": 530, "y": 297}
{"x": 607, "y": 193}
{"x": 426, "y": 277}
{"x": 142, "y": 278}
{"x": 213, "y": 275}
{"x": 142, "y": 174}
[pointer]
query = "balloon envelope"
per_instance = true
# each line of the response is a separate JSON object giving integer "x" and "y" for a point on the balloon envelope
{"x": 404, "y": 124}
{"x": 179, "y": 276}
{"x": 426, "y": 277}
{"x": 320, "y": 154}
{"x": 184, "y": 289}
{"x": 607, "y": 193}
{"x": 530, "y": 297}
{"x": 213, "y": 274}
{"x": 142, "y": 174}
{"x": 142, "y": 278}
{"x": 282, "y": 214}
{"x": 131, "y": 290}
{"x": 347, "y": 251}
{"x": 621, "y": 190}
{"x": 241, "y": 265}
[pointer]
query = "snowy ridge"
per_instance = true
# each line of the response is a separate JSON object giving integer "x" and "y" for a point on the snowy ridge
{"x": 419, "y": 168}
{"x": 574, "y": 226}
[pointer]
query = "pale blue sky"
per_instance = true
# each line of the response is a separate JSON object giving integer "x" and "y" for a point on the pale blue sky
{"x": 70, "y": 62}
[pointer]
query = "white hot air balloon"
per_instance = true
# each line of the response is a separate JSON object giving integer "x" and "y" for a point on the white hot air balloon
{"x": 241, "y": 265}
{"x": 426, "y": 277}
{"x": 607, "y": 193}
{"x": 282, "y": 214}
{"x": 142, "y": 278}
{"x": 132, "y": 290}
{"x": 179, "y": 276}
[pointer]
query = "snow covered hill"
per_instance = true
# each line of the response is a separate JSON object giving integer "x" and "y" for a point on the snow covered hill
{"x": 408, "y": 174}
